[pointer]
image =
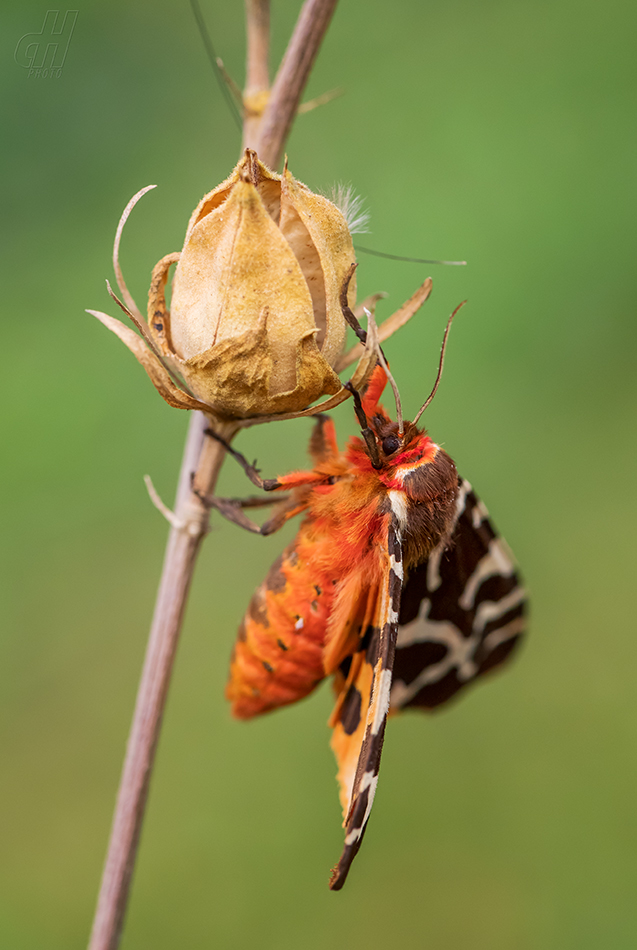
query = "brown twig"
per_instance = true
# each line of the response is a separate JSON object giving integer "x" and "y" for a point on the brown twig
{"x": 257, "y": 68}
{"x": 199, "y": 470}
{"x": 291, "y": 78}
{"x": 179, "y": 560}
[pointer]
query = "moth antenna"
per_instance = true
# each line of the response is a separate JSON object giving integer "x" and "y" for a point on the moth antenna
{"x": 214, "y": 60}
{"x": 366, "y": 432}
{"x": 392, "y": 381}
{"x": 410, "y": 260}
{"x": 441, "y": 363}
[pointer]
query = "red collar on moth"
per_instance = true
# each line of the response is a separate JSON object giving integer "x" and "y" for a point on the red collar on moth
{"x": 422, "y": 451}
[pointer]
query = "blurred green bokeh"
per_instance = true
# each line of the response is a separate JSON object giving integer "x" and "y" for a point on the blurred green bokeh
{"x": 502, "y": 133}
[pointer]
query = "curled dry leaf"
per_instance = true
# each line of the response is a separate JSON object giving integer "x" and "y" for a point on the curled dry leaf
{"x": 389, "y": 326}
{"x": 159, "y": 376}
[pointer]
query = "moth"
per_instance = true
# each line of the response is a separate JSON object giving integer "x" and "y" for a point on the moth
{"x": 396, "y": 584}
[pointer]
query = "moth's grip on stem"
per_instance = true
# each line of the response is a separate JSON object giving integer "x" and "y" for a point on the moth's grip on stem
{"x": 267, "y": 484}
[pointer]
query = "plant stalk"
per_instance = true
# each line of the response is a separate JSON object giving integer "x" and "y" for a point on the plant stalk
{"x": 200, "y": 467}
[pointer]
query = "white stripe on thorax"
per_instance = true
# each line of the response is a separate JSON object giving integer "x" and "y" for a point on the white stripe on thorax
{"x": 398, "y": 502}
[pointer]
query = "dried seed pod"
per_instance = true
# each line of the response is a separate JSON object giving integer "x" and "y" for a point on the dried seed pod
{"x": 256, "y": 327}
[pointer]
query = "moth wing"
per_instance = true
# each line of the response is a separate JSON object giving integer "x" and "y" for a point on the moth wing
{"x": 462, "y": 611}
{"x": 360, "y": 715}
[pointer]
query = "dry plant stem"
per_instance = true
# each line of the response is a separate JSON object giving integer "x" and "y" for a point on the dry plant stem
{"x": 257, "y": 66}
{"x": 291, "y": 78}
{"x": 200, "y": 467}
{"x": 258, "y": 45}
{"x": 181, "y": 552}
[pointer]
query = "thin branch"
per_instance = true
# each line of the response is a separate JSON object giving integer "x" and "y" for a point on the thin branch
{"x": 257, "y": 87}
{"x": 257, "y": 45}
{"x": 200, "y": 467}
{"x": 291, "y": 79}
{"x": 181, "y": 552}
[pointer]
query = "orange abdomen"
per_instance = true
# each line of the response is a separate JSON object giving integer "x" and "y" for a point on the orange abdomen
{"x": 278, "y": 657}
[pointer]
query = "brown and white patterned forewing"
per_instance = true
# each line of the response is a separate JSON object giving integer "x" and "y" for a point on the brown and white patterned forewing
{"x": 361, "y": 713}
{"x": 462, "y": 611}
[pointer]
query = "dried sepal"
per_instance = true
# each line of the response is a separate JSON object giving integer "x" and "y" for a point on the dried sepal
{"x": 159, "y": 375}
{"x": 389, "y": 326}
{"x": 158, "y": 313}
{"x": 368, "y": 303}
{"x": 121, "y": 283}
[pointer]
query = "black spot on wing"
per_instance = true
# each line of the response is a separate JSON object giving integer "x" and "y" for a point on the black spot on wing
{"x": 369, "y": 644}
{"x": 339, "y": 873}
{"x": 355, "y": 820}
{"x": 375, "y": 748}
{"x": 387, "y": 656}
{"x": 350, "y": 714}
{"x": 366, "y": 638}
{"x": 395, "y": 588}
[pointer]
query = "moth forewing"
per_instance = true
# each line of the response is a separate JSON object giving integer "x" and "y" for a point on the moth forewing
{"x": 379, "y": 646}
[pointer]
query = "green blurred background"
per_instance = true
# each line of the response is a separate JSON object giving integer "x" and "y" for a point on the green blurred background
{"x": 502, "y": 133}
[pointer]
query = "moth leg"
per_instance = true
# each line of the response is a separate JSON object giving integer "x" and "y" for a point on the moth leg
{"x": 232, "y": 510}
{"x": 293, "y": 480}
{"x": 267, "y": 484}
{"x": 253, "y": 501}
{"x": 323, "y": 444}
